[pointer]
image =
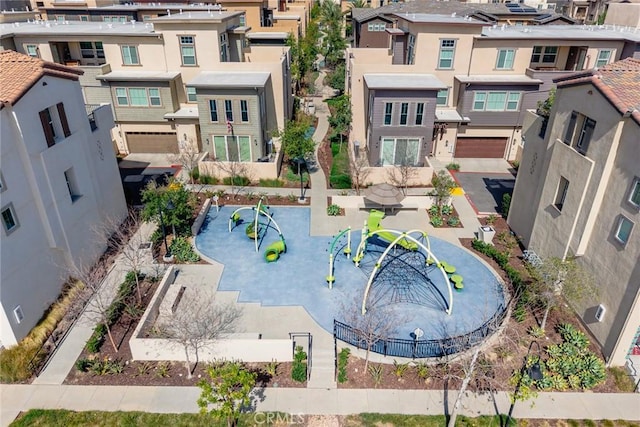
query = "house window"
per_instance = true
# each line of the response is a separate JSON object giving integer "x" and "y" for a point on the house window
{"x": 18, "y": 314}
{"x": 442, "y": 98}
{"x": 579, "y": 132}
{"x": 544, "y": 54}
{"x": 91, "y": 50}
{"x": 388, "y": 111}
{"x": 603, "y": 58}
{"x": 191, "y": 94}
{"x": 399, "y": 151}
{"x": 411, "y": 49}
{"x": 154, "y": 97}
{"x": 496, "y": 101}
{"x": 244, "y": 110}
{"x": 84, "y": 18}
{"x": 224, "y": 53}
{"x": 634, "y": 195}
{"x": 228, "y": 110}
{"x": 243, "y": 20}
{"x": 231, "y": 148}
{"x": 130, "y": 55}
{"x": 404, "y": 113}
{"x": 60, "y": 18}
{"x": 138, "y": 97}
{"x": 419, "y": 113}
{"x": 447, "y": 50}
{"x": 505, "y": 59}
{"x": 623, "y": 230}
{"x": 213, "y": 110}
{"x": 370, "y": 26}
{"x": 561, "y": 193}
{"x": 54, "y": 124}
{"x": 121, "y": 96}
{"x": 32, "y": 50}
{"x": 188, "y": 50}
{"x": 72, "y": 184}
{"x": 9, "y": 219}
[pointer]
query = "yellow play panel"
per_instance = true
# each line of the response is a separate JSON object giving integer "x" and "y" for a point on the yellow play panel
{"x": 458, "y": 191}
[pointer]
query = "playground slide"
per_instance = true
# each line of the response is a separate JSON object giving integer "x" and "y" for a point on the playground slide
{"x": 273, "y": 251}
{"x": 373, "y": 224}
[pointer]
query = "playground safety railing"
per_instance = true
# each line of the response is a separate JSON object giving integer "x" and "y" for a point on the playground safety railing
{"x": 419, "y": 349}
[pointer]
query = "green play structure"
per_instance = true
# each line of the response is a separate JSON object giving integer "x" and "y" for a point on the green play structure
{"x": 256, "y": 229}
{"x": 373, "y": 225}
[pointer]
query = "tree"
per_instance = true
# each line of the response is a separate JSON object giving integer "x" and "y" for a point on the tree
{"x": 175, "y": 201}
{"x": 360, "y": 169}
{"x": 340, "y": 118}
{"x": 401, "y": 175}
{"x": 358, "y": 4}
{"x": 377, "y": 324}
{"x": 227, "y": 391}
{"x": 197, "y": 323}
{"x": 557, "y": 280}
{"x": 238, "y": 173}
{"x": 334, "y": 43}
{"x": 544, "y": 107}
{"x": 296, "y": 143}
{"x": 187, "y": 158}
{"x": 336, "y": 78}
{"x": 443, "y": 185}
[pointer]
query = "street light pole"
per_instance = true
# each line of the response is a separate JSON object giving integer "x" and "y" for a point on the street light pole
{"x": 534, "y": 372}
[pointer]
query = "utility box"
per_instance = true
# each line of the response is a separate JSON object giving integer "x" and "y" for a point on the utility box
{"x": 486, "y": 234}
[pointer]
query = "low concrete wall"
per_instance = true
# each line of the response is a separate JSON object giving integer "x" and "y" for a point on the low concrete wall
{"x": 200, "y": 218}
{"x": 356, "y": 202}
{"x": 422, "y": 177}
{"x": 254, "y": 170}
{"x": 247, "y": 347}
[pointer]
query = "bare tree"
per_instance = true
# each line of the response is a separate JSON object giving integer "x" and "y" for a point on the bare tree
{"x": 360, "y": 169}
{"x": 401, "y": 175}
{"x": 379, "y": 323}
{"x": 558, "y": 280}
{"x": 131, "y": 246}
{"x": 238, "y": 173}
{"x": 187, "y": 157}
{"x": 197, "y": 323}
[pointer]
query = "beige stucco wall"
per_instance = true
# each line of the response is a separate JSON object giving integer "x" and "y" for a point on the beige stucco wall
{"x": 627, "y": 14}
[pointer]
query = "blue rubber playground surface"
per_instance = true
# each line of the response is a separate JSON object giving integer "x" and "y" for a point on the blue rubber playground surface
{"x": 405, "y": 284}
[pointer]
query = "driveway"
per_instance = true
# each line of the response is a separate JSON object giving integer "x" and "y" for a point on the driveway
{"x": 485, "y": 190}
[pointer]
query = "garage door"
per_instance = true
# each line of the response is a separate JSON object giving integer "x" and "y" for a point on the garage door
{"x": 152, "y": 142}
{"x": 481, "y": 147}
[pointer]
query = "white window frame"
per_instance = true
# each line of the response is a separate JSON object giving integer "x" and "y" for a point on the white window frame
{"x": 188, "y": 42}
{"x": 129, "y": 60}
{"x": 244, "y": 111}
{"x": 395, "y": 143}
{"x": 404, "y": 114}
{"x": 447, "y": 45}
{"x": 32, "y": 50}
{"x": 224, "y": 51}
{"x": 191, "y": 91}
{"x": 230, "y": 139}
{"x": 388, "y": 114}
{"x": 600, "y": 61}
{"x": 214, "y": 110}
{"x": 506, "y": 62}
{"x": 125, "y": 93}
{"x": 12, "y": 212}
{"x": 18, "y": 314}
{"x": 228, "y": 110}
{"x": 579, "y": 132}
{"x": 544, "y": 54}
{"x": 635, "y": 191}
{"x": 96, "y": 51}
{"x": 411, "y": 49}
{"x": 440, "y": 99}
{"x": 419, "y": 114}
{"x": 482, "y": 97}
{"x": 622, "y": 220}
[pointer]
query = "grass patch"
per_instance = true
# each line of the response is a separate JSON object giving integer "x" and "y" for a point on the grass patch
{"x": 292, "y": 176}
{"x": 272, "y": 183}
{"x": 339, "y": 176}
{"x": 15, "y": 362}
{"x": 622, "y": 379}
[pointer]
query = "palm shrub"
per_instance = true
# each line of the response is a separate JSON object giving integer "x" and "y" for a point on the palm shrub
{"x": 343, "y": 360}
{"x": 182, "y": 249}
{"x": 333, "y": 210}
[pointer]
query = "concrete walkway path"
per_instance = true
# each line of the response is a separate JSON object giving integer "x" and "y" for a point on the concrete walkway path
{"x": 16, "y": 398}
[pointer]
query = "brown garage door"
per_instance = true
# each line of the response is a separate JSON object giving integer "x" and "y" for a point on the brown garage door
{"x": 152, "y": 142}
{"x": 481, "y": 147}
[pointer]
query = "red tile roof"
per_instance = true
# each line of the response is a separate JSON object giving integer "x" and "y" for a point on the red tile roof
{"x": 619, "y": 82}
{"x": 18, "y": 73}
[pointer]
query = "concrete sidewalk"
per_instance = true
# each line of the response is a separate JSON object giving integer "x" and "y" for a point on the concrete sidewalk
{"x": 16, "y": 398}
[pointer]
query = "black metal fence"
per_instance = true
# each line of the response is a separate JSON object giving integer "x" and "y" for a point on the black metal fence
{"x": 417, "y": 349}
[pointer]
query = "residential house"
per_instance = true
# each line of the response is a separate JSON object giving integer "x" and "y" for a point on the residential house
{"x": 59, "y": 183}
{"x": 577, "y": 194}
{"x": 490, "y": 76}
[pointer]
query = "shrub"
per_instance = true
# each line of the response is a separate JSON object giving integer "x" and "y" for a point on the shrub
{"x": 194, "y": 174}
{"x": 453, "y": 166}
{"x": 506, "y": 204}
{"x": 162, "y": 370}
{"x": 272, "y": 368}
{"x": 491, "y": 219}
{"x": 399, "y": 369}
{"x": 83, "y": 364}
{"x": 516, "y": 165}
{"x": 273, "y": 183}
{"x": 376, "y": 373}
{"x": 292, "y": 197}
{"x": 299, "y": 367}
{"x": 292, "y": 175}
{"x": 182, "y": 249}
{"x": 433, "y": 210}
{"x": 238, "y": 181}
{"x": 536, "y": 332}
{"x": 208, "y": 180}
{"x": 422, "y": 370}
{"x": 453, "y": 221}
{"x": 333, "y": 210}
{"x": 343, "y": 360}
{"x": 447, "y": 209}
{"x": 97, "y": 338}
{"x": 437, "y": 221}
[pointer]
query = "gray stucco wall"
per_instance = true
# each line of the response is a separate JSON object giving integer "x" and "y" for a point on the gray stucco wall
{"x": 378, "y": 130}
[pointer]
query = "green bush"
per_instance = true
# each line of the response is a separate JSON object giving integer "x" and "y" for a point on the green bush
{"x": 340, "y": 181}
{"x": 453, "y": 221}
{"x": 343, "y": 360}
{"x": 97, "y": 338}
{"x": 433, "y": 210}
{"x": 437, "y": 221}
{"x": 273, "y": 183}
{"x": 182, "y": 249}
{"x": 447, "y": 209}
{"x": 291, "y": 175}
{"x": 83, "y": 364}
{"x": 299, "y": 367}
{"x": 453, "y": 166}
{"x": 333, "y": 210}
{"x": 506, "y": 204}
{"x": 239, "y": 181}
{"x": 208, "y": 180}
{"x": 194, "y": 174}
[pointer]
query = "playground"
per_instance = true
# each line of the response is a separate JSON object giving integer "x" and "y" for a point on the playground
{"x": 282, "y": 265}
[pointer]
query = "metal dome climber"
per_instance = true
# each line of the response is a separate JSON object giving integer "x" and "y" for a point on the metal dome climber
{"x": 401, "y": 239}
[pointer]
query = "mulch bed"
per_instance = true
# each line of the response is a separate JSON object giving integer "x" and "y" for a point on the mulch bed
{"x": 445, "y": 219}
